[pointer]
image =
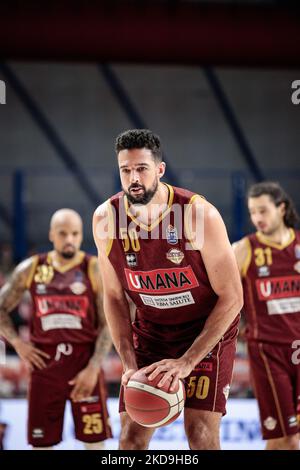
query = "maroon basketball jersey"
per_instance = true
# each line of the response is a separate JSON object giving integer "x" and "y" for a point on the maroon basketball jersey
{"x": 64, "y": 306}
{"x": 271, "y": 283}
{"x": 167, "y": 281}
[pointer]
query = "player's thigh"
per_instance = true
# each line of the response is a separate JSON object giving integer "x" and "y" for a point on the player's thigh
{"x": 207, "y": 387}
{"x": 46, "y": 405}
{"x": 91, "y": 419}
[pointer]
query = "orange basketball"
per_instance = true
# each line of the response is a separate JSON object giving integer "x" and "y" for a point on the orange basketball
{"x": 149, "y": 405}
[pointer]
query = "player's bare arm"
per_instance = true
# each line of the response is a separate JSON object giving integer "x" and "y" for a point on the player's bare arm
{"x": 224, "y": 278}
{"x": 85, "y": 381}
{"x": 240, "y": 250}
{"x": 115, "y": 304}
{"x": 10, "y": 296}
{"x": 104, "y": 342}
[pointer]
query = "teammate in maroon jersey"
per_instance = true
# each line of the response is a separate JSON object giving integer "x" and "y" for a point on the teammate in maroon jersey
{"x": 69, "y": 336}
{"x": 269, "y": 262}
{"x": 187, "y": 291}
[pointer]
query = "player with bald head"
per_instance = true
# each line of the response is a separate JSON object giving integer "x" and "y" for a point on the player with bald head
{"x": 65, "y": 234}
{"x": 68, "y": 336}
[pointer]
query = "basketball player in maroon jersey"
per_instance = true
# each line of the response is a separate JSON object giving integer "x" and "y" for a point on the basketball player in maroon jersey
{"x": 69, "y": 336}
{"x": 188, "y": 300}
{"x": 269, "y": 263}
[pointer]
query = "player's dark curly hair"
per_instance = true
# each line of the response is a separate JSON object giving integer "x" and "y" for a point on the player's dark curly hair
{"x": 278, "y": 195}
{"x": 138, "y": 139}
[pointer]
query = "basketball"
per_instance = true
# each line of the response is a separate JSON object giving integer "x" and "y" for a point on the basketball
{"x": 149, "y": 405}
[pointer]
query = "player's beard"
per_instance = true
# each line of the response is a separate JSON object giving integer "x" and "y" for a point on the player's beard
{"x": 68, "y": 254}
{"x": 272, "y": 229}
{"x": 143, "y": 198}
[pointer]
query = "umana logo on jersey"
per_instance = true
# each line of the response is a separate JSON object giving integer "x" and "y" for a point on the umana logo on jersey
{"x": 278, "y": 287}
{"x": 49, "y": 304}
{"x": 161, "y": 280}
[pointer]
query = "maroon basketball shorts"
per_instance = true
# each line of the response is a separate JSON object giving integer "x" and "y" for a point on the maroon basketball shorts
{"x": 207, "y": 386}
{"x": 276, "y": 381}
{"x": 49, "y": 390}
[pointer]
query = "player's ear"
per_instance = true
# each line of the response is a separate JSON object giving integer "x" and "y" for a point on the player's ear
{"x": 161, "y": 169}
{"x": 282, "y": 208}
{"x": 50, "y": 236}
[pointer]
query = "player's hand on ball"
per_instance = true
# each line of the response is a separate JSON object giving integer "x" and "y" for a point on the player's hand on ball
{"x": 126, "y": 376}
{"x": 170, "y": 368}
{"x": 34, "y": 357}
{"x": 84, "y": 383}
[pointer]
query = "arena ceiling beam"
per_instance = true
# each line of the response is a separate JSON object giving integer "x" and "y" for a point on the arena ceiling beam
{"x": 152, "y": 32}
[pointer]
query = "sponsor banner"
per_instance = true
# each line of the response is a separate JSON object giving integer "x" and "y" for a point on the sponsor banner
{"x": 61, "y": 320}
{"x": 168, "y": 301}
{"x": 278, "y": 287}
{"x": 74, "y": 305}
{"x": 161, "y": 280}
{"x": 240, "y": 428}
{"x": 280, "y": 306}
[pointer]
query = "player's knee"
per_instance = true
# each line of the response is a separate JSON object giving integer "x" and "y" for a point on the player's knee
{"x": 131, "y": 439}
{"x": 94, "y": 445}
{"x": 284, "y": 443}
{"x": 293, "y": 443}
{"x": 197, "y": 436}
{"x": 133, "y": 436}
{"x": 201, "y": 437}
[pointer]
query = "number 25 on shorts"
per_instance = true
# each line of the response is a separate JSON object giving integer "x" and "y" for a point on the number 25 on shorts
{"x": 93, "y": 423}
{"x": 198, "y": 386}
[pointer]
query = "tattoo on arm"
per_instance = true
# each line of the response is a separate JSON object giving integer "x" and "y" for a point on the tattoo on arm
{"x": 102, "y": 347}
{"x": 10, "y": 296}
